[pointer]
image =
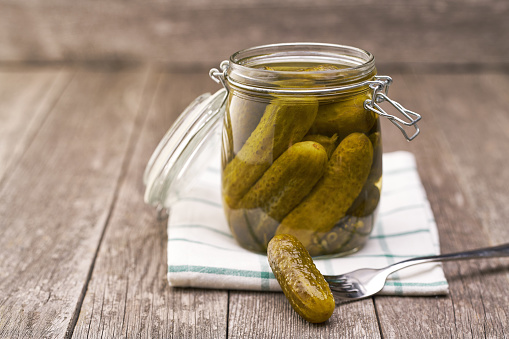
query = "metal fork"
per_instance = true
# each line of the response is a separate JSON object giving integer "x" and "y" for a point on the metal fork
{"x": 365, "y": 282}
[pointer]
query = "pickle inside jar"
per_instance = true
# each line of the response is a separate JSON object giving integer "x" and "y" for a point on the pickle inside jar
{"x": 259, "y": 132}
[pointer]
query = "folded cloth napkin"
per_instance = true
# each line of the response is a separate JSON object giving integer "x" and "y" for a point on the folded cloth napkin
{"x": 203, "y": 253}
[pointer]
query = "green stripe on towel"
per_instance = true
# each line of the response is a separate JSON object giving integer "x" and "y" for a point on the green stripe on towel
{"x": 221, "y": 271}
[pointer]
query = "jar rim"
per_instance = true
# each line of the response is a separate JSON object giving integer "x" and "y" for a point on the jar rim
{"x": 238, "y": 58}
{"x": 246, "y": 67}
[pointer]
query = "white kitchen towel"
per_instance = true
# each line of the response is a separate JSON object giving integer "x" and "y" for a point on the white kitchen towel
{"x": 203, "y": 253}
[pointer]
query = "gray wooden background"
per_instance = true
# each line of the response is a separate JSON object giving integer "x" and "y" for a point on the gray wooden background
{"x": 187, "y": 34}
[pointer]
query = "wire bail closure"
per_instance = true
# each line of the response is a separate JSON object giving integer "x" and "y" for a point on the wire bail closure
{"x": 380, "y": 86}
{"x": 380, "y": 90}
{"x": 219, "y": 76}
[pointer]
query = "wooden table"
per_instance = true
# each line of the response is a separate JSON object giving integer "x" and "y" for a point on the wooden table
{"x": 81, "y": 255}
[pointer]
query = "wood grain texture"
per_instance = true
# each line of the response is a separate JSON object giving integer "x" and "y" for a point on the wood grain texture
{"x": 26, "y": 98}
{"x": 479, "y": 150}
{"x": 203, "y": 33}
{"x": 54, "y": 206}
{"x": 269, "y": 315}
{"x": 128, "y": 294}
{"x": 478, "y": 302}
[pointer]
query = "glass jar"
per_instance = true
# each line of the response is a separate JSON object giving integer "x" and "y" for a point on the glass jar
{"x": 301, "y": 144}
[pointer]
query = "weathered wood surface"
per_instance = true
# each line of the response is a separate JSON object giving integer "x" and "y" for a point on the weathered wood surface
{"x": 82, "y": 256}
{"x": 128, "y": 294}
{"x": 478, "y": 303}
{"x": 187, "y": 33}
{"x": 81, "y": 177}
{"x": 26, "y": 99}
{"x": 55, "y": 203}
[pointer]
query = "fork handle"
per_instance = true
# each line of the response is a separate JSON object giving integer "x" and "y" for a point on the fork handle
{"x": 487, "y": 252}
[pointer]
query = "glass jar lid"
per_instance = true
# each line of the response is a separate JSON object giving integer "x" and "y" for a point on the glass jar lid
{"x": 184, "y": 149}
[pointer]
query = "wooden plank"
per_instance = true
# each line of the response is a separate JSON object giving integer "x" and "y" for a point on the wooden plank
{"x": 127, "y": 277}
{"x": 203, "y": 34}
{"x": 54, "y": 206}
{"x": 269, "y": 315}
{"x": 478, "y": 303}
{"x": 129, "y": 294}
{"x": 479, "y": 150}
{"x": 26, "y": 98}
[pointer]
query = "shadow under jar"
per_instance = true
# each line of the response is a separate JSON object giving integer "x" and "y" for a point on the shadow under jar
{"x": 302, "y": 145}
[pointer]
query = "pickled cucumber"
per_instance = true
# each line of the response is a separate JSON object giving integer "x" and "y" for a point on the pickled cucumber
{"x": 329, "y": 143}
{"x": 376, "y": 167}
{"x": 290, "y": 178}
{"x": 366, "y": 202}
{"x": 264, "y": 228}
{"x": 337, "y": 237}
{"x": 364, "y": 226}
{"x": 368, "y": 199}
{"x": 332, "y": 196}
{"x": 240, "y": 221}
{"x": 314, "y": 75}
{"x": 346, "y": 236}
{"x": 227, "y": 136}
{"x": 321, "y": 68}
{"x": 302, "y": 283}
{"x": 244, "y": 119}
{"x": 344, "y": 117}
{"x": 284, "y": 123}
{"x": 317, "y": 68}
